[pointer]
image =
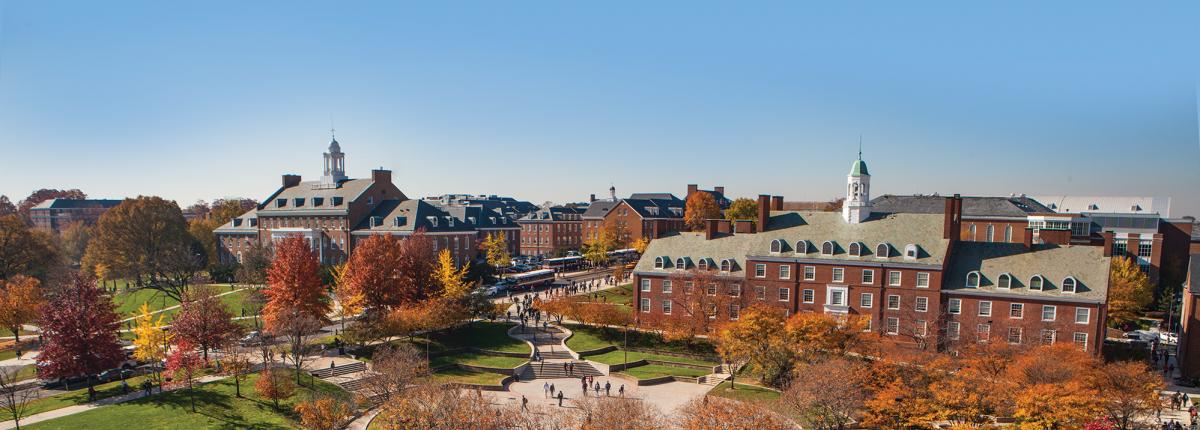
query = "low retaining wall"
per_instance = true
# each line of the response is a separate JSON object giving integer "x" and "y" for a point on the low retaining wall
{"x": 500, "y": 353}
{"x": 712, "y": 358}
{"x": 496, "y": 370}
{"x": 597, "y": 351}
{"x": 683, "y": 365}
{"x": 629, "y": 365}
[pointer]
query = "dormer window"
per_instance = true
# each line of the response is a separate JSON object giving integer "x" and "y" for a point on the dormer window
{"x": 910, "y": 251}
{"x": 318, "y": 201}
{"x": 802, "y": 247}
{"x": 726, "y": 265}
{"x": 703, "y": 264}
{"x": 973, "y": 279}
{"x": 376, "y": 221}
{"x": 827, "y": 248}
{"x": 1068, "y": 285}
{"x": 237, "y": 222}
{"x": 680, "y": 263}
{"x": 1036, "y": 283}
{"x": 280, "y": 203}
{"x": 254, "y": 222}
{"x": 776, "y": 246}
{"x": 883, "y": 250}
{"x": 433, "y": 221}
{"x": 450, "y": 221}
{"x": 659, "y": 262}
{"x": 337, "y": 201}
{"x": 855, "y": 249}
{"x": 299, "y": 201}
{"x": 400, "y": 221}
{"x": 1004, "y": 282}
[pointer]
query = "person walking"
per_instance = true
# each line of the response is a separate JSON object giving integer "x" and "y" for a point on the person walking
{"x": 546, "y": 390}
{"x": 524, "y": 403}
{"x": 560, "y": 397}
{"x": 607, "y": 389}
{"x": 621, "y": 391}
{"x": 552, "y": 390}
{"x": 585, "y": 388}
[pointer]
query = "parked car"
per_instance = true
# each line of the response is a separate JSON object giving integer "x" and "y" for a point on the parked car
{"x": 114, "y": 375}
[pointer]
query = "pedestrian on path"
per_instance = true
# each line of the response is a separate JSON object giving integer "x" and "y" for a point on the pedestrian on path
{"x": 621, "y": 391}
{"x": 585, "y": 388}
{"x": 524, "y": 403}
{"x": 560, "y": 397}
{"x": 552, "y": 390}
{"x": 546, "y": 389}
{"x": 597, "y": 389}
{"x": 607, "y": 389}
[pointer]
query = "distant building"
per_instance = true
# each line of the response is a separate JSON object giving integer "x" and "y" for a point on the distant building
{"x": 1189, "y": 334}
{"x": 718, "y": 194}
{"x": 642, "y": 215}
{"x": 56, "y": 214}
{"x": 508, "y": 206}
{"x": 551, "y": 231}
{"x": 984, "y": 219}
{"x": 1109, "y": 204}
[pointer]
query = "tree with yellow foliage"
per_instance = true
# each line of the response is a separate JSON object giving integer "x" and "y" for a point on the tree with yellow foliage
{"x": 20, "y": 301}
{"x": 151, "y": 342}
{"x": 757, "y": 337}
{"x": 1129, "y": 291}
{"x": 324, "y": 413}
{"x": 495, "y": 247}
{"x": 450, "y": 277}
{"x": 640, "y": 245}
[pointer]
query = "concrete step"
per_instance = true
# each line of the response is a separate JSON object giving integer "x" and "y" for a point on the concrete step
{"x": 555, "y": 370}
{"x": 555, "y": 355}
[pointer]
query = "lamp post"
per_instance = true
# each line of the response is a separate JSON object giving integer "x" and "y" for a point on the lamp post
{"x": 625, "y": 350}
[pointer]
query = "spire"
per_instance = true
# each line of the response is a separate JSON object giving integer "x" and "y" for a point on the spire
{"x": 860, "y": 146}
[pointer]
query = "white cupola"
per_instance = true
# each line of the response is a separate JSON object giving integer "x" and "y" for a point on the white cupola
{"x": 857, "y": 206}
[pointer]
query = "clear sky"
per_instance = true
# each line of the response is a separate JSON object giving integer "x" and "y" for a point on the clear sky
{"x": 557, "y": 100}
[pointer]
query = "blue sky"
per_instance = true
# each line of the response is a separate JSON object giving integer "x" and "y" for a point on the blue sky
{"x": 556, "y": 100}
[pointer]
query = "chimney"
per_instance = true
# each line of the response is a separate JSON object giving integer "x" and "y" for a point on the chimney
{"x": 1028, "y": 238}
{"x": 592, "y": 198}
{"x": 1108, "y": 243}
{"x": 719, "y": 190}
{"x": 381, "y": 176}
{"x": 776, "y": 203}
{"x": 743, "y": 226}
{"x": 952, "y": 223}
{"x": 710, "y": 228}
{"x": 764, "y": 211}
{"x": 691, "y": 190}
{"x": 724, "y": 226}
{"x": 291, "y": 180}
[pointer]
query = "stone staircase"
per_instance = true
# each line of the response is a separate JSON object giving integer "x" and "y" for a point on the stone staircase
{"x": 554, "y": 370}
{"x": 714, "y": 379}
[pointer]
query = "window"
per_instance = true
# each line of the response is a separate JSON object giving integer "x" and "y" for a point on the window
{"x": 991, "y": 233}
{"x": 920, "y": 328}
{"x": 855, "y": 249}
{"x": 971, "y": 231}
{"x": 734, "y": 311}
{"x": 983, "y": 332}
{"x": 807, "y": 296}
{"x": 666, "y": 307}
{"x": 910, "y": 251}
{"x": 1068, "y": 285}
{"x": 952, "y": 330}
{"x": 658, "y": 262}
{"x": 1014, "y": 335}
{"x": 726, "y": 265}
{"x": 1035, "y": 283}
{"x": 1016, "y": 310}
{"x": 893, "y": 326}
{"x": 839, "y": 274}
{"x": 646, "y": 285}
{"x": 893, "y": 302}
{"x": 954, "y": 306}
{"x": 922, "y": 304}
{"x": 922, "y": 280}
{"x": 1008, "y": 233}
{"x": 776, "y": 246}
{"x": 785, "y": 272}
{"x": 645, "y": 305}
{"x": 666, "y": 288}
{"x": 712, "y": 289}
{"x": 1048, "y": 336}
{"x": 1049, "y": 312}
{"x": 785, "y": 294}
{"x": 680, "y": 263}
{"x": 866, "y": 300}
{"x": 687, "y": 287}
{"x": 827, "y": 248}
{"x": 802, "y": 247}
{"x": 868, "y": 276}
{"x": 810, "y": 273}
{"x": 836, "y": 297}
{"x": 1145, "y": 248}
{"x": 1004, "y": 282}
{"x": 973, "y": 280}
{"x": 703, "y": 264}
{"x": 760, "y": 292}
{"x": 883, "y": 250}
{"x": 735, "y": 290}
{"x": 1082, "y": 315}
{"x": 985, "y": 308}
{"x": 1080, "y": 340}
{"x": 1120, "y": 249}
{"x": 894, "y": 278}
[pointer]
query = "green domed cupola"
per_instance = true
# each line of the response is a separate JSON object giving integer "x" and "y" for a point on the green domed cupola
{"x": 859, "y": 168}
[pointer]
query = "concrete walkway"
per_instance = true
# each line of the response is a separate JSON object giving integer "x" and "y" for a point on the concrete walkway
{"x": 364, "y": 420}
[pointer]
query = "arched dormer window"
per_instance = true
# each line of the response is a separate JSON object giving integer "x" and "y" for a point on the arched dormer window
{"x": 883, "y": 250}
{"x": 1008, "y": 233}
{"x": 910, "y": 251}
{"x": 1069, "y": 284}
{"x": 973, "y": 279}
{"x": 1036, "y": 283}
{"x": 726, "y": 265}
{"x": 991, "y": 233}
{"x": 776, "y": 246}
{"x": 827, "y": 248}
{"x": 1005, "y": 281}
{"x": 702, "y": 264}
{"x": 658, "y": 263}
{"x": 802, "y": 247}
{"x": 680, "y": 263}
{"x": 855, "y": 249}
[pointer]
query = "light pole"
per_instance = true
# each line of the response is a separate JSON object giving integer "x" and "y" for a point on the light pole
{"x": 625, "y": 350}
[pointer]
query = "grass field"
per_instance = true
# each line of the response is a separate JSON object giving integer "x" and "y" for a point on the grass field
{"x": 129, "y": 304}
{"x": 655, "y": 371}
{"x": 216, "y": 408}
{"x": 745, "y": 393}
{"x": 619, "y": 295}
{"x": 618, "y": 357}
{"x": 487, "y": 335}
{"x": 79, "y": 396}
{"x": 589, "y": 337}
{"x": 479, "y": 360}
{"x": 467, "y": 377}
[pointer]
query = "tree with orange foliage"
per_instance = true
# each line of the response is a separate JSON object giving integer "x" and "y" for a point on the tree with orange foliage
{"x": 370, "y": 277}
{"x": 757, "y": 337}
{"x": 699, "y": 208}
{"x": 558, "y": 307}
{"x": 605, "y": 314}
{"x": 716, "y": 413}
{"x": 296, "y": 302}
{"x": 1130, "y": 392}
{"x": 1129, "y": 292}
{"x": 325, "y": 413}
{"x": 813, "y": 335}
{"x": 274, "y": 385}
{"x": 20, "y": 302}
{"x": 900, "y": 397}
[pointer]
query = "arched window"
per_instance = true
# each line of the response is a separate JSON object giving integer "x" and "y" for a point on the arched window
{"x": 802, "y": 247}
{"x": 726, "y": 265}
{"x": 1035, "y": 283}
{"x": 991, "y": 233}
{"x": 680, "y": 263}
{"x": 827, "y": 248}
{"x": 703, "y": 264}
{"x": 883, "y": 250}
{"x": 1008, "y": 233}
{"x": 1004, "y": 282}
{"x": 658, "y": 262}
{"x": 910, "y": 251}
{"x": 855, "y": 249}
{"x": 1068, "y": 285}
{"x": 776, "y": 245}
{"x": 973, "y": 280}
{"x": 971, "y": 231}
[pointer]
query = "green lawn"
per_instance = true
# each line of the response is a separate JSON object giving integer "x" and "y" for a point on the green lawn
{"x": 746, "y": 393}
{"x": 216, "y": 408}
{"x": 487, "y": 335}
{"x": 618, "y": 357}
{"x": 655, "y": 371}
{"x": 589, "y": 337}
{"x": 129, "y": 304}
{"x": 468, "y": 377}
{"x": 478, "y": 360}
{"x": 79, "y": 396}
{"x": 619, "y": 295}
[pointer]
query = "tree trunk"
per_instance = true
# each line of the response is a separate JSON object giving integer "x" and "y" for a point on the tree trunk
{"x": 17, "y": 336}
{"x": 91, "y": 389}
{"x": 192, "y": 397}
{"x": 237, "y": 386}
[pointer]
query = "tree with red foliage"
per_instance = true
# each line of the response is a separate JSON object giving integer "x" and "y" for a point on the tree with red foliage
{"x": 79, "y": 329}
{"x": 370, "y": 276}
{"x": 416, "y": 268}
{"x": 296, "y": 302}
{"x": 184, "y": 365}
{"x": 204, "y": 321}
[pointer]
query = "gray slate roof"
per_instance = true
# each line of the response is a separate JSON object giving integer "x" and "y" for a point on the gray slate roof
{"x": 1087, "y": 264}
{"x": 415, "y": 214}
{"x": 599, "y": 208}
{"x": 653, "y": 196}
{"x": 242, "y": 224}
{"x": 657, "y": 208}
{"x": 972, "y": 206}
{"x": 480, "y": 216}
{"x": 77, "y": 204}
{"x": 348, "y": 191}
{"x": 553, "y": 213}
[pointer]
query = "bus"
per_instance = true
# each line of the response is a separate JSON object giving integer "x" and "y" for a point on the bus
{"x": 563, "y": 264}
{"x": 531, "y": 279}
{"x": 623, "y": 255}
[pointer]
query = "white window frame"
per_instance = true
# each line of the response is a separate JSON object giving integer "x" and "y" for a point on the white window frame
{"x": 868, "y": 276}
{"x": 1016, "y": 310}
{"x": 760, "y": 270}
{"x": 760, "y": 292}
{"x": 922, "y": 279}
{"x": 954, "y": 306}
{"x": 978, "y": 279}
{"x": 1000, "y": 281}
{"x": 989, "y": 308}
{"x": 808, "y": 295}
{"x": 829, "y": 296}
{"x": 983, "y": 331}
{"x": 892, "y": 327}
{"x": 1074, "y": 285}
{"x": 866, "y": 300}
{"x": 839, "y": 274}
{"x": 895, "y": 278}
{"x": 810, "y": 273}
{"x": 785, "y": 271}
{"x": 921, "y": 304}
{"x": 1041, "y": 284}
{"x": 1087, "y": 315}
{"x": 645, "y": 305}
{"x": 1020, "y": 335}
{"x": 893, "y": 302}
{"x": 1053, "y": 336}
{"x": 645, "y": 285}
{"x": 1053, "y": 313}
{"x": 953, "y": 330}
{"x": 666, "y": 286}
{"x": 1083, "y": 343}
{"x": 666, "y": 307}
{"x": 785, "y": 294}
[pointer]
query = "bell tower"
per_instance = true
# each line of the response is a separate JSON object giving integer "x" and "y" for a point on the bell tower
{"x": 857, "y": 206}
{"x": 335, "y": 164}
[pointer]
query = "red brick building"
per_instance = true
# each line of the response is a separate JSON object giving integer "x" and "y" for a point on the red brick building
{"x": 551, "y": 231}
{"x": 642, "y": 215}
{"x": 1189, "y": 336}
{"x": 910, "y": 274}
{"x": 56, "y": 214}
